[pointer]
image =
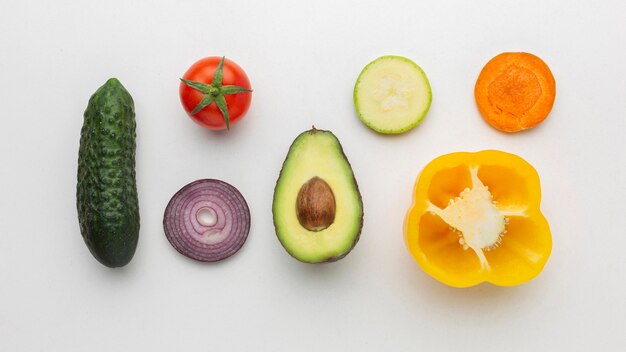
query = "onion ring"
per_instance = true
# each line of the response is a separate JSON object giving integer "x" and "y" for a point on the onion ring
{"x": 207, "y": 220}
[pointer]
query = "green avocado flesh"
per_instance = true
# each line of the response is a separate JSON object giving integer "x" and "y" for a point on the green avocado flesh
{"x": 392, "y": 95}
{"x": 317, "y": 156}
{"x": 108, "y": 210}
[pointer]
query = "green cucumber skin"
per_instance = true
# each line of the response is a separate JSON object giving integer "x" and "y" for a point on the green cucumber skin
{"x": 108, "y": 208}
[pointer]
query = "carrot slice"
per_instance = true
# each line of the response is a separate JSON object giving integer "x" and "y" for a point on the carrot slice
{"x": 515, "y": 91}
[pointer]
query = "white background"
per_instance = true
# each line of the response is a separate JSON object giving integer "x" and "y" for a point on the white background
{"x": 303, "y": 59}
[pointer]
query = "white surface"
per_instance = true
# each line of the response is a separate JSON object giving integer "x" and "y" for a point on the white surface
{"x": 303, "y": 60}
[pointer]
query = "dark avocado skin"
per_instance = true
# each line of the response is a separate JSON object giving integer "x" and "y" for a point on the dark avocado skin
{"x": 108, "y": 209}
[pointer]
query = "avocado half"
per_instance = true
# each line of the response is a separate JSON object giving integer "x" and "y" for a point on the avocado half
{"x": 317, "y": 207}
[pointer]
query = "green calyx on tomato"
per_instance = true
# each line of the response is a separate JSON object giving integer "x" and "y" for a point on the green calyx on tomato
{"x": 215, "y": 92}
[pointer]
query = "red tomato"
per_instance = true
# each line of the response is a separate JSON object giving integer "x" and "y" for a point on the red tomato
{"x": 203, "y": 71}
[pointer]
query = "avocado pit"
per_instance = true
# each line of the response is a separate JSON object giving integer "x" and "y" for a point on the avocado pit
{"x": 315, "y": 205}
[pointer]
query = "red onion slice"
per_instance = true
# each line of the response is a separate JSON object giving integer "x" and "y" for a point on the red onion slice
{"x": 207, "y": 220}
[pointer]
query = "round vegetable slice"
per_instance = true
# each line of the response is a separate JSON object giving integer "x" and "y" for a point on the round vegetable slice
{"x": 515, "y": 91}
{"x": 207, "y": 220}
{"x": 392, "y": 95}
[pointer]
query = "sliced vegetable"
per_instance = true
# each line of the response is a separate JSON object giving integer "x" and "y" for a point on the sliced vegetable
{"x": 392, "y": 95}
{"x": 317, "y": 206}
{"x": 475, "y": 217}
{"x": 515, "y": 91}
{"x": 215, "y": 92}
{"x": 207, "y": 220}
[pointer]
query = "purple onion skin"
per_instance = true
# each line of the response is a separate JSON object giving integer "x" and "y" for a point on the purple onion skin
{"x": 201, "y": 242}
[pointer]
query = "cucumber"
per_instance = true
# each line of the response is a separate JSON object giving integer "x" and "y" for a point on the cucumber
{"x": 106, "y": 195}
{"x": 392, "y": 95}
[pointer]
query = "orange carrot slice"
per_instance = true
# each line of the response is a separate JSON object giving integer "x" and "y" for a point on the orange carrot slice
{"x": 515, "y": 91}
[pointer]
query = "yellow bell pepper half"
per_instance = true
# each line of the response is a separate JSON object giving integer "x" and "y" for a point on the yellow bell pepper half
{"x": 475, "y": 217}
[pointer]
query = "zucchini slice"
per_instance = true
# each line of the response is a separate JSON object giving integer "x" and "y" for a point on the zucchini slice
{"x": 392, "y": 95}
